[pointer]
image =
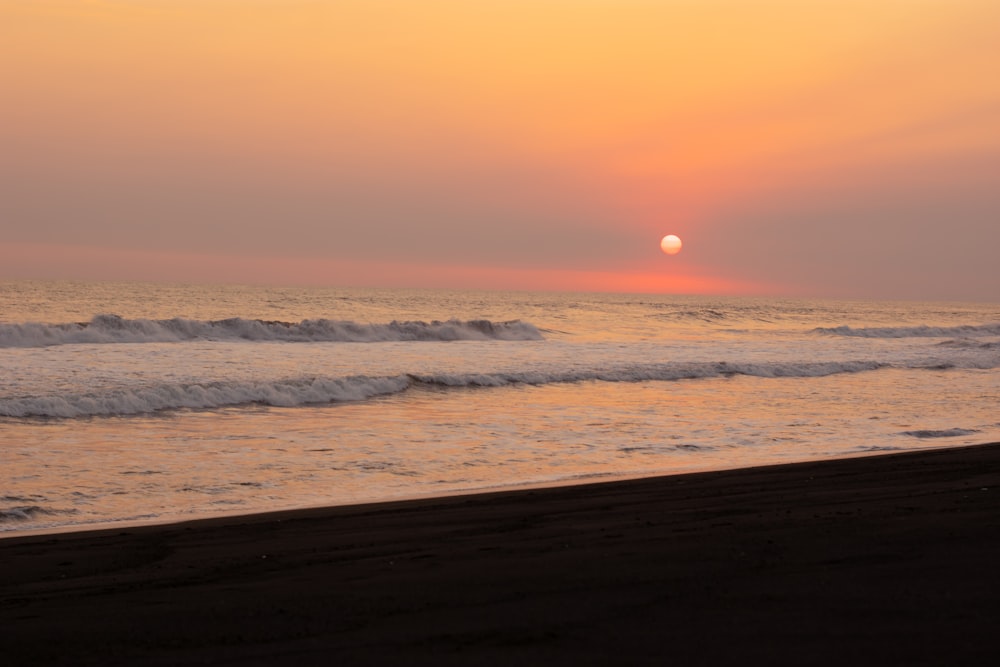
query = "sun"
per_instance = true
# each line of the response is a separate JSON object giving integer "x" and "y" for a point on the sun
{"x": 671, "y": 244}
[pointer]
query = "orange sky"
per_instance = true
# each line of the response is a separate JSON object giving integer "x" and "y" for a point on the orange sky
{"x": 828, "y": 148}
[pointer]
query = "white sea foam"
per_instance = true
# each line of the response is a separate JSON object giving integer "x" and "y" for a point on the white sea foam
{"x": 114, "y": 329}
{"x": 922, "y": 331}
{"x": 132, "y": 401}
{"x": 314, "y": 390}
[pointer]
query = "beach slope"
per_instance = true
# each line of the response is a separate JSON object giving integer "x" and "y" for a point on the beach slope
{"x": 890, "y": 559}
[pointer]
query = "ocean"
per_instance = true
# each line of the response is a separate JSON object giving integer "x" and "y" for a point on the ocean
{"x": 124, "y": 403}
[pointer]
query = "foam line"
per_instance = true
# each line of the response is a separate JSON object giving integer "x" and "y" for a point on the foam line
{"x": 109, "y": 329}
{"x": 315, "y": 390}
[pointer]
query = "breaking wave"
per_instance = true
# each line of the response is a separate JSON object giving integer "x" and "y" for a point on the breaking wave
{"x": 922, "y": 331}
{"x": 318, "y": 390}
{"x": 115, "y": 329}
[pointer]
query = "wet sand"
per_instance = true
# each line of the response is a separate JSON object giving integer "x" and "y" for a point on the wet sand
{"x": 891, "y": 559}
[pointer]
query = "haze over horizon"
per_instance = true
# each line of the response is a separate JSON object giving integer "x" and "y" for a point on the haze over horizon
{"x": 842, "y": 149}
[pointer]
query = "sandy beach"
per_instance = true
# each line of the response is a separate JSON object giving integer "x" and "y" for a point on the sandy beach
{"x": 889, "y": 559}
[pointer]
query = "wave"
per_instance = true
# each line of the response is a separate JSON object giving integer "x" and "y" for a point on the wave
{"x": 966, "y": 344}
{"x": 144, "y": 400}
{"x": 24, "y": 513}
{"x": 922, "y": 331}
{"x": 317, "y": 390}
{"x": 115, "y": 329}
{"x": 945, "y": 433}
{"x": 700, "y": 315}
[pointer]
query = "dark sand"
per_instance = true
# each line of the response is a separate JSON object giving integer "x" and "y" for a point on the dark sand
{"x": 882, "y": 560}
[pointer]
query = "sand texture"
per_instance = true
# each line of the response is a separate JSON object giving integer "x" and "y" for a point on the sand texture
{"x": 891, "y": 559}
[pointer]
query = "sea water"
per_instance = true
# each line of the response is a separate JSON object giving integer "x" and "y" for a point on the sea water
{"x": 128, "y": 402}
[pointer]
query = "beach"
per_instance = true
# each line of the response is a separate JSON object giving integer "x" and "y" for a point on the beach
{"x": 887, "y": 559}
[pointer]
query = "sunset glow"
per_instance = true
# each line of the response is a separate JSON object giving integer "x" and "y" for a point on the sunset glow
{"x": 539, "y": 143}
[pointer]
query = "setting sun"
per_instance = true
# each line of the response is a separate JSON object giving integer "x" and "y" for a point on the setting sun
{"x": 671, "y": 244}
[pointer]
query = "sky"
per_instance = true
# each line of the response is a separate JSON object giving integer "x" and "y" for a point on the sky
{"x": 830, "y": 148}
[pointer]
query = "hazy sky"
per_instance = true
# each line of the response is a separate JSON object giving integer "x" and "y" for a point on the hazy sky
{"x": 826, "y": 147}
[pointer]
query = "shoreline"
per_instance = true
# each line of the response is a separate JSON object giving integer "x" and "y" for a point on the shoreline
{"x": 879, "y": 559}
{"x": 599, "y": 478}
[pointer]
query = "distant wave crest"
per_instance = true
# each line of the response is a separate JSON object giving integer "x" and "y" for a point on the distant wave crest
{"x": 317, "y": 390}
{"x": 967, "y": 344}
{"x": 943, "y": 433}
{"x": 115, "y": 329}
{"x": 922, "y": 331}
